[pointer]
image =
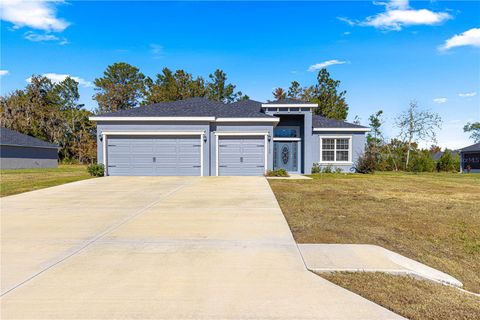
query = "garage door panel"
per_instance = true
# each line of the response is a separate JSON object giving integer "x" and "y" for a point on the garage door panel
{"x": 148, "y": 156}
{"x": 241, "y": 156}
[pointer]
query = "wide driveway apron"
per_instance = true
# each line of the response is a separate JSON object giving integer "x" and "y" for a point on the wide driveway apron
{"x": 161, "y": 248}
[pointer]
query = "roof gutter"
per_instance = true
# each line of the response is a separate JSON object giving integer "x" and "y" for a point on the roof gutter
{"x": 343, "y": 129}
{"x": 208, "y": 119}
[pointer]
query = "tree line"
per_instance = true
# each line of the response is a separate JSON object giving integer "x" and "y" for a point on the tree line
{"x": 52, "y": 112}
{"x": 415, "y": 125}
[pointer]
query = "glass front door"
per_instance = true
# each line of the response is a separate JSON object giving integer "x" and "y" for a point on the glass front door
{"x": 285, "y": 155}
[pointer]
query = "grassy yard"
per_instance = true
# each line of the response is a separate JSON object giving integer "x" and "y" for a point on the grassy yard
{"x": 23, "y": 180}
{"x": 433, "y": 218}
{"x": 409, "y": 297}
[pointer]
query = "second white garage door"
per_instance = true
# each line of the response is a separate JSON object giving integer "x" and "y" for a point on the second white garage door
{"x": 241, "y": 156}
{"x": 153, "y": 156}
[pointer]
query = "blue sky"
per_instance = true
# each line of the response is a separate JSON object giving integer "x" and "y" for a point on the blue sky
{"x": 385, "y": 54}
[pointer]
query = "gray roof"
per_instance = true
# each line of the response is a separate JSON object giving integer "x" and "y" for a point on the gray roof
{"x": 195, "y": 107}
{"x": 437, "y": 155}
{"x": 322, "y": 122}
{"x": 473, "y": 148}
{"x": 14, "y": 138}
{"x": 288, "y": 101}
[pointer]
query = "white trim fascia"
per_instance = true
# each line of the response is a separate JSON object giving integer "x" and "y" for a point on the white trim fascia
{"x": 216, "y": 155}
{"x": 153, "y": 133}
{"x": 287, "y": 139}
{"x": 343, "y": 129}
{"x": 239, "y": 133}
{"x": 291, "y": 105}
{"x": 152, "y": 118}
{"x": 247, "y": 120}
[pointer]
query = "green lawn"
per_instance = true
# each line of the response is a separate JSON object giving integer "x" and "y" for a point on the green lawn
{"x": 23, "y": 180}
{"x": 433, "y": 218}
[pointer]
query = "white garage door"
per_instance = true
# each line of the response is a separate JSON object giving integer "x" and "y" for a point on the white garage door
{"x": 153, "y": 156}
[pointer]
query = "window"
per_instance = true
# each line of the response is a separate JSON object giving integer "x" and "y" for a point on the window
{"x": 335, "y": 149}
{"x": 286, "y": 132}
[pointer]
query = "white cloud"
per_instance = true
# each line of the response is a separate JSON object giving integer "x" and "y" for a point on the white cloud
{"x": 4, "y": 72}
{"x": 56, "y": 77}
{"x": 157, "y": 50}
{"x": 440, "y": 100}
{"x": 35, "y": 37}
{"x": 398, "y": 14}
{"x": 467, "y": 94}
{"x": 325, "y": 64}
{"x": 468, "y": 38}
{"x": 38, "y": 14}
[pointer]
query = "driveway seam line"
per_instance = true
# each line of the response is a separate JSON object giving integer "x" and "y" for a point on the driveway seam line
{"x": 96, "y": 238}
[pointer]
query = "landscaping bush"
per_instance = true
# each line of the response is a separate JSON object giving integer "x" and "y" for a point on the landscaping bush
{"x": 277, "y": 173}
{"x": 366, "y": 163}
{"x": 96, "y": 169}
{"x": 448, "y": 163}
{"x": 422, "y": 162}
{"x": 316, "y": 168}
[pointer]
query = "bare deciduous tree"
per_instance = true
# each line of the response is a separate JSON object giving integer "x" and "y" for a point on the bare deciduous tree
{"x": 417, "y": 125}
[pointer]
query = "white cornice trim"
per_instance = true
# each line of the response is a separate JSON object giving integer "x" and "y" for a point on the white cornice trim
{"x": 152, "y": 133}
{"x": 290, "y": 105}
{"x": 247, "y": 119}
{"x": 152, "y": 118}
{"x": 342, "y": 129}
{"x": 239, "y": 133}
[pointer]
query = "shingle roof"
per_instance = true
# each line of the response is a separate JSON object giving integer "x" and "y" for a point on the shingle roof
{"x": 14, "y": 138}
{"x": 288, "y": 101}
{"x": 194, "y": 107}
{"x": 322, "y": 122}
{"x": 473, "y": 147}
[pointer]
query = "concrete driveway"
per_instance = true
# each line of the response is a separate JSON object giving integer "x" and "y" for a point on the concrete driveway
{"x": 162, "y": 248}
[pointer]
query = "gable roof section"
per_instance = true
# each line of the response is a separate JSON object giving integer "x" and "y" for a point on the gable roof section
{"x": 320, "y": 122}
{"x": 193, "y": 107}
{"x": 473, "y": 148}
{"x": 13, "y": 138}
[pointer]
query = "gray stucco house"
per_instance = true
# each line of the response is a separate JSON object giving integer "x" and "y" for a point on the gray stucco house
{"x": 20, "y": 151}
{"x": 470, "y": 158}
{"x": 201, "y": 137}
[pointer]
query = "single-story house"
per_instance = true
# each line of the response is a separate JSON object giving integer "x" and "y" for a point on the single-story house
{"x": 201, "y": 137}
{"x": 20, "y": 151}
{"x": 470, "y": 158}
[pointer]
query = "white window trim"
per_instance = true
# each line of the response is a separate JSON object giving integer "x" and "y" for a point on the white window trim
{"x": 343, "y": 129}
{"x": 105, "y": 135}
{"x": 350, "y": 151}
{"x": 286, "y": 139}
{"x": 240, "y": 134}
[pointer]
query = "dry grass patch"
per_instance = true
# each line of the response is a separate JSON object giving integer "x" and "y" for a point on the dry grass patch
{"x": 432, "y": 218}
{"x": 409, "y": 297}
{"x": 23, "y": 180}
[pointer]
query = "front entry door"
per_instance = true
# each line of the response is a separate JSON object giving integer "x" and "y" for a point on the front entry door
{"x": 285, "y": 155}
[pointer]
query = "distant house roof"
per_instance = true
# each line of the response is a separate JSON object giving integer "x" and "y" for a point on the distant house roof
{"x": 13, "y": 138}
{"x": 473, "y": 148}
{"x": 323, "y": 122}
{"x": 288, "y": 101}
{"x": 437, "y": 155}
{"x": 195, "y": 107}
